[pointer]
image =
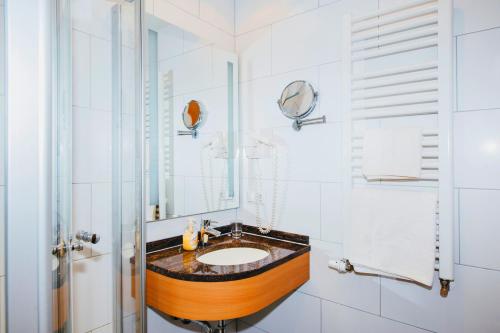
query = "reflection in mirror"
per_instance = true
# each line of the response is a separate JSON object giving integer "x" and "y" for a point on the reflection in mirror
{"x": 298, "y": 100}
{"x": 192, "y": 114}
{"x": 191, "y": 89}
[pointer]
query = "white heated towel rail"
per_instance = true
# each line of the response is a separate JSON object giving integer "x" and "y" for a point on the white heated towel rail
{"x": 397, "y": 70}
{"x": 166, "y": 186}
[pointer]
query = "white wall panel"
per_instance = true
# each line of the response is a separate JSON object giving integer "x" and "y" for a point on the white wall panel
{"x": 81, "y": 69}
{"x": 471, "y": 305}
{"x": 254, "y": 54}
{"x": 356, "y": 291}
{"x": 340, "y": 318}
{"x": 91, "y": 146}
{"x": 252, "y": 14}
{"x": 101, "y": 218}
{"x": 296, "y": 313}
{"x": 471, "y": 16}
{"x": 219, "y": 13}
{"x": 478, "y": 70}
{"x": 330, "y": 91}
{"x": 332, "y": 229}
{"x": 477, "y": 149}
{"x": 190, "y": 6}
{"x": 479, "y": 228}
{"x": 305, "y": 158}
{"x": 92, "y": 292}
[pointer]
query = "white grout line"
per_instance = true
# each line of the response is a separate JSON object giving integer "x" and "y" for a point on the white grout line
{"x": 476, "y": 110}
{"x": 475, "y": 32}
{"x": 201, "y": 19}
{"x": 285, "y": 18}
{"x": 299, "y": 69}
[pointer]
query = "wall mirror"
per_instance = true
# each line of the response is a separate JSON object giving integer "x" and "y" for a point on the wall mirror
{"x": 298, "y": 101}
{"x": 191, "y": 123}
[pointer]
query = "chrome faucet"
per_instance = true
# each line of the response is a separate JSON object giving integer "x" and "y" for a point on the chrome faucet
{"x": 208, "y": 228}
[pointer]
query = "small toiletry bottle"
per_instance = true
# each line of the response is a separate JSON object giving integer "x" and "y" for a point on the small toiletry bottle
{"x": 190, "y": 237}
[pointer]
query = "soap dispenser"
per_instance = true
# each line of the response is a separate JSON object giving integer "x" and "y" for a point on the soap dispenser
{"x": 190, "y": 237}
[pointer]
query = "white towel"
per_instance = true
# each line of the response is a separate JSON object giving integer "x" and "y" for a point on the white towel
{"x": 392, "y": 232}
{"x": 392, "y": 153}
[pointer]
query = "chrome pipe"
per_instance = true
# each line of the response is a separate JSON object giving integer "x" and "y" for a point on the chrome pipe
{"x": 221, "y": 326}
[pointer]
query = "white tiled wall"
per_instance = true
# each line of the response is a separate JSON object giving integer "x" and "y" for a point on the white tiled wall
{"x": 306, "y": 315}
{"x": 282, "y": 40}
{"x": 336, "y": 317}
{"x": 219, "y": 14}
{"x": 476, "y": 84}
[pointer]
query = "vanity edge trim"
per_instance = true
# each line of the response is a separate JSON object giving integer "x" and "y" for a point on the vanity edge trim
{"x": 165, "y": 243}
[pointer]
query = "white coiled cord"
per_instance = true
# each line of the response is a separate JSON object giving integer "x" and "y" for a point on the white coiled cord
{"x": 266, "y": 228}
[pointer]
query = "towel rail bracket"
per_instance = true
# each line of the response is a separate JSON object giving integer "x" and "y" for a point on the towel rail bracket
{"x": 341, "y": 265}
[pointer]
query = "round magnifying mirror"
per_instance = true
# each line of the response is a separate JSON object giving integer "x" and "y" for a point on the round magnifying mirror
{"x": 193, "y": 113}
{"x": 298, "y": 100}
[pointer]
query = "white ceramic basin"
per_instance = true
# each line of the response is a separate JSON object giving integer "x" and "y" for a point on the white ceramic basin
{"x": 233, "y": 256}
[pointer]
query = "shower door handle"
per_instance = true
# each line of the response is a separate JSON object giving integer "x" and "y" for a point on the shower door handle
{"x": 84, "y": 237}
{"x": 81, "y": 237}
{"x": 87, "y": 237}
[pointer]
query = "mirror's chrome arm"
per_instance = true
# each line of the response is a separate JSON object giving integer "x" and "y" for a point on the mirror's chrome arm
{"x": 297, "y": 124}
{"x": 193, "y": 133}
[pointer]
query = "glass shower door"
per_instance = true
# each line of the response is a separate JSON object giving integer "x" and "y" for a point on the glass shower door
{"x": 127, "y": 193}
{"x": 97, "y": 188}
{"x": 61, "y": 171}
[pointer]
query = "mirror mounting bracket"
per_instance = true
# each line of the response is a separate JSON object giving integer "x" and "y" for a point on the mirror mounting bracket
{"x": 193, "y": 133}
{"x": 298, "y": 123}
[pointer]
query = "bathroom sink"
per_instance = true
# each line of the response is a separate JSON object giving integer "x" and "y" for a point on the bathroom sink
{"x": 229, "y": 278}
{"x": 233, "y": 256}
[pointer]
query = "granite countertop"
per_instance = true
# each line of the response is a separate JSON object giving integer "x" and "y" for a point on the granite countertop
{"x": 167, "y": 257}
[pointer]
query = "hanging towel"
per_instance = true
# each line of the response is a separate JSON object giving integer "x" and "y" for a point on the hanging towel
{"x": 393, "y": 233}
{"x": 392, "y": 154}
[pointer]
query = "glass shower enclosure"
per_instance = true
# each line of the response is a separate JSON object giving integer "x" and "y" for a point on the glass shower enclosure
{"x": 97, "y": 123}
